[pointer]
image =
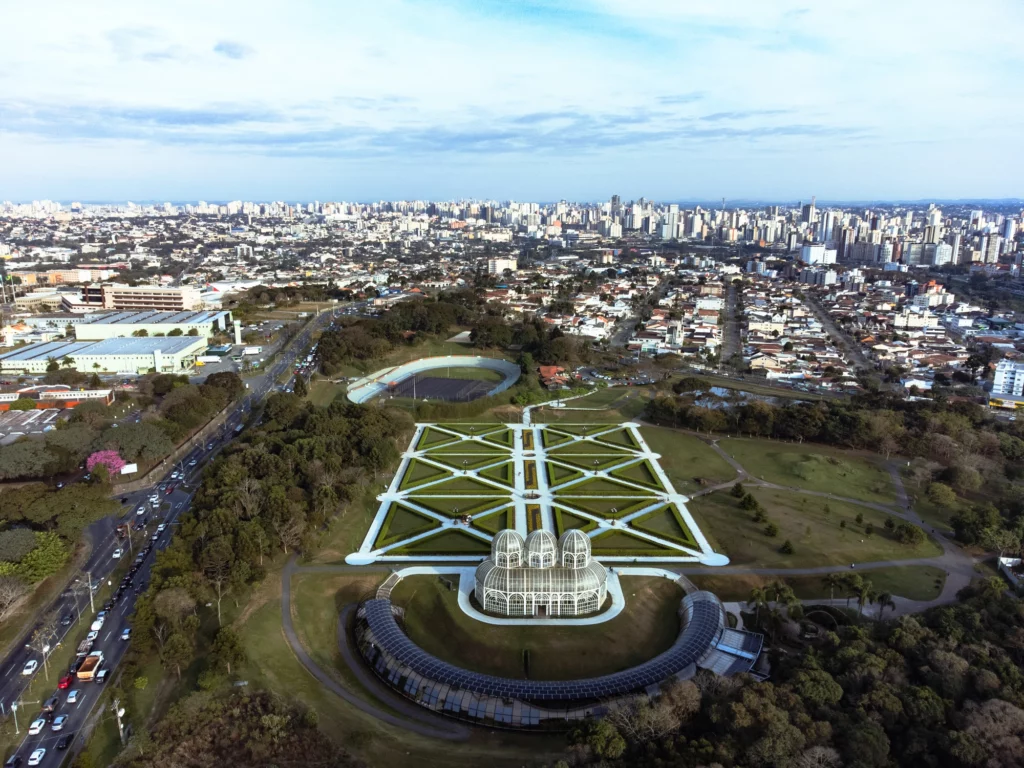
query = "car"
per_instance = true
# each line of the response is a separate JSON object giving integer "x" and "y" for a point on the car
{"x": 73, "y": 697}
{"x": 175, "y": 475}
{"x": 101, "y": 676}
{"x": 76, "y": 665}
{"x": 101, "y": 615}
{"x": 66, "y": 619}
{"x": 65, "y": 741}
{"x": 163, "y": 486}
{"x": 93, "y": 634}
{"x": 13, "y": 761}
{"x": 37, "y": 756}
{"x": 161, "y": 528}
{"x": 65, "y": 682}
{"x": 154, "y": 537}
{"x": 37, "y": 727}
{"x": 193, "y": 463}
{"x": 97, "y": 625}
{"x": 140, "y": 511}
{"x": 50, "y": 704}
{"x": 209, "y": 446}
{"x": 170, "y": 489}
{"x": 30, "y": 667}
{"x": 126, "y": 634}
{"x": 116, "y": 555}
{"x": 58, "y": 723}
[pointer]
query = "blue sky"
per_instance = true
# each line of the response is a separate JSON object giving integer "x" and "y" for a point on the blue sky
{"x": 520, "y": 99}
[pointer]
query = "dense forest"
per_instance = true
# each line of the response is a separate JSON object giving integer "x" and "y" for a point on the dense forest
{"x": 235, "y": 730}
{"x": 943, "y": 688}
{"x": 275, "y": 490}
{"x": 174, "y": 408}
{"x": 965, "y": 461}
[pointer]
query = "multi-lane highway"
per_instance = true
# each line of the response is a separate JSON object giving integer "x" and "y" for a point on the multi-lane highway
{"x": 173, "y": 495}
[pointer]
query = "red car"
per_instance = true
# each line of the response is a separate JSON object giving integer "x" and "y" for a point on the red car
{"x": 65, "y": 682}
{"x": 170, "y": 489}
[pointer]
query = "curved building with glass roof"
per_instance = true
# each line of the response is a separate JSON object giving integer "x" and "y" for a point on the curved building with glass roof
{"x": 704, "y": 641}
{"x": 541, "y": 576}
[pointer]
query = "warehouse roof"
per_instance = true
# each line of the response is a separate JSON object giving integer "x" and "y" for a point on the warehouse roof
{"x": 150, "y": 318}
{"x": 168, "y": 345}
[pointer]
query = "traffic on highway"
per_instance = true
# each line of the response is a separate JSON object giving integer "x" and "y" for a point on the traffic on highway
{"x": 94, "y": 613}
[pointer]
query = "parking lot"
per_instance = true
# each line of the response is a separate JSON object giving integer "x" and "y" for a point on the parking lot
{"x": 15, "y": 424}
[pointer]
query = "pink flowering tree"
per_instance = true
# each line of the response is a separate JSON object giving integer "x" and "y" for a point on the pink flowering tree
{"x": 109, "y": 459}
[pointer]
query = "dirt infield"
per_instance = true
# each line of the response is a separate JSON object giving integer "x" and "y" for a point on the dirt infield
{"x": 424, "y": 387}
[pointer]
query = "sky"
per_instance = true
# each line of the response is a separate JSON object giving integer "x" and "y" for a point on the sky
{"x": 511, "y": 99}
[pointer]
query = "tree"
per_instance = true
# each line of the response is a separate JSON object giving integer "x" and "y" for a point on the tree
{"x": 758, "y": 598}
{"x": 228, "y": 648}
{"x": 884, "y": 601}
{"x": 141, "y": 333}
{"x": 176, "y": 332}
{"x": 43, "y": 639}
{"x": 192, "y": 332}
{"x": 177, "y": 651}
{"x": 942, "y": 494}
{"x": 301, "y": 388}
{"x": 738, "y": 491}
{"x": 217, "y": 561}
{"x": 787, "y": 547}
{"x": 23, "y": 404}
{"x": 771, "y": 530}
{"x": 12, "y": 590}
{"x": 833, "y": 581}
{"x": 865, "y": 595}
{"x": 1001, "y": 540}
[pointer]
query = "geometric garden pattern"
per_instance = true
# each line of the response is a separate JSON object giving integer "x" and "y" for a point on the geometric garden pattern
{"x": 459, "y": 484}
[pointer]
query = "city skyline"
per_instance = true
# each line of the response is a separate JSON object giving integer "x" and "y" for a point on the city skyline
{"x": 541, "y": 101}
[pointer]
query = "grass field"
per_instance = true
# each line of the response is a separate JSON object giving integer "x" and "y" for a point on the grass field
{"x": 323, "y": 392}
{"x": 646, "y": 627}
{"x": 817, "y": 537}
{"x": 814, "y": 467}
{"x": 686, "y": 459}
{"x": 273, "y": 666}
{"x": 911, "y": 581}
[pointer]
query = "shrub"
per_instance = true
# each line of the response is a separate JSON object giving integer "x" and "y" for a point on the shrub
{"x": 842, "y": 523}
{"x": 748, "y": 503}
{"x": 141, "y": 682}
{"x": 16, "y": 543}
{"x": 869, "y": 529}
{"x": 787, "y": 547}
{"x": 23, "y": 404}
{"x": 860, "y": 518}
{"x": 771, "y": 530}
{"x": 737, "y": 491}
{"x": 908, "y": 534}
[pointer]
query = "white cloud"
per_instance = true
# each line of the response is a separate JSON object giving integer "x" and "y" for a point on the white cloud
{"x": 550, "y": 88}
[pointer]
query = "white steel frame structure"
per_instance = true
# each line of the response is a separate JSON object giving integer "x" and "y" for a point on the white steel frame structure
{"x": 541, "y": 575}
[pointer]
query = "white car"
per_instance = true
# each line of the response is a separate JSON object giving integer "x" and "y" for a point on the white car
{"x": 127, "y": 634}
{"x": 37, "y": 757}
{"x": 36, "y": 727}
{"x": 140, "y": 511}
{"x": 58, "y": 723}
{"x": 154, "y": 499}
{"x": 30, "y": 667}
{"x": 91, "y": 637}
{"x": 97, "y": 625}
{"x": 117, "y": 553}
{"x": 73, "y": 697}
{"x": 193, "y": 463}
{"x": 175, "y": 475}
{"x": 161, "y": 528}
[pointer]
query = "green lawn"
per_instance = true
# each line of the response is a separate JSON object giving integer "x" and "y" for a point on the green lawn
{"x": 647, "y": 626}
{"x": 817, "y": 538}
{"x": 322, "y": 392}
{"x": 815, "y": 468}
{"x": 689, "y": 462}
{"x": 911, "y": 581}
{"x": 272, "y": 665}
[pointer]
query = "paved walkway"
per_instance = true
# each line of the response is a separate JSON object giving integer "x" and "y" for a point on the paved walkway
{"x": 958, "y": 565}
{"x": 413, "y": 720}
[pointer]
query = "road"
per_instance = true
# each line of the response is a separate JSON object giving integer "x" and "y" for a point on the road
{"x": 840, "y": 338}
{"x": 731, "y": 343}
{"x": 181, "y": 480}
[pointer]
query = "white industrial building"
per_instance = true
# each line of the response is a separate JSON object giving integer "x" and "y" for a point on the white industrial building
{"x": 173, "y": 354}
{"x": 109, "y": 325}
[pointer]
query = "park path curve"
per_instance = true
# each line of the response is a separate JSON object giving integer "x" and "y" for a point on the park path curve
{"x": 414, "y": 720}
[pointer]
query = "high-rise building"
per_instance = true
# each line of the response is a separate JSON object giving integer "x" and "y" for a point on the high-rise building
{"x": 993, "y": 247}
{"x": 1009, "y": 379}
{"x": 809, "y": 213}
